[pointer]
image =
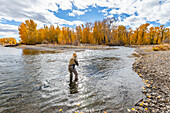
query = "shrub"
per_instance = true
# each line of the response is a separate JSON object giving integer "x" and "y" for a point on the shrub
{"x": 44, "y": 42}
{"x": 76, "y": 43}
{"x": 155, "y": 49}
{"x": 161, "y": 48}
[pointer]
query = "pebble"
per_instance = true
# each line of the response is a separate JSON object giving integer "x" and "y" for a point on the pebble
{"x": 155, "y": 72}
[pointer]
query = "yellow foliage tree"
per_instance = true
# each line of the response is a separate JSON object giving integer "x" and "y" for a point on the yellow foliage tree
{"x": 8, "y": 41}
{"x": 28, "y": 32}
{"x": 97, "y": 33}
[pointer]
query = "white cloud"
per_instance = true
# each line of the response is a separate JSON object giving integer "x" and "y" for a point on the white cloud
{"x": 109, "y": 16}
{"x": 71, "y": 14}
{"x": 77, "y": 12}
{"x": 9, "y": 34}
{"x": 7, "y": 27}
{"x": 33, "y": 9}
{"x": 153, "y": 11}
{"x": 133, "y": 21}
{"x": 38, "y": 10}
{"x": 7, "y": 30}
{"x": 114, "y": 11}
{"x": 151, "y": 25}
{"x": 82, "y": 4}
{"x": 64, "y": 4}
{"x": 104, "y": 11}
{"x": 78, "y": 23}
{"x": 147, "y": 10}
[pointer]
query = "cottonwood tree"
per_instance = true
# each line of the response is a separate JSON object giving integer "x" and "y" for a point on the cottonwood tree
{"x": 27, "y": 32}
{"x": 101, "y": 32}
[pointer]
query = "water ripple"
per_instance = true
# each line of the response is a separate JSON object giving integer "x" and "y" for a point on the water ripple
{"x": 36, "y": 81}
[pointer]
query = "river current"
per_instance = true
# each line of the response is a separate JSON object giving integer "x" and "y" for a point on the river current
{"x": 36, "y": 81}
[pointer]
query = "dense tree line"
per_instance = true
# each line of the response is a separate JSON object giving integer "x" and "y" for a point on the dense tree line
{"x": 8, "y": 41}
{"x": 98, "y": 33}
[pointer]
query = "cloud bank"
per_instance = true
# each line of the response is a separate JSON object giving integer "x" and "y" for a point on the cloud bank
{"x": 45, "y": 12}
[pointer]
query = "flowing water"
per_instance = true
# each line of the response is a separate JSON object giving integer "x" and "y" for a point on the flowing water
{"x": 36, "y": 81}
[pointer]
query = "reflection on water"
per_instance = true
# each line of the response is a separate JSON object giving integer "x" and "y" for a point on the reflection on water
{"x": 35, "y": 52}
{"x": 35, "y": 81}
{"x": 73, "y": 87}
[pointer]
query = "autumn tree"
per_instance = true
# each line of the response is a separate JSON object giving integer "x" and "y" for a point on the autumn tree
{"x": 27, "y": 32}
{"x": 57, "y": 34}
{"x": 129, "y": 36}
{"x": 142, "y": 35}
{"x": 23, "y": 32}
{"x": 87, "y": 35}
{"x": 95, "y": 33}
{"x": 52, "y": 34}
{"x": 122, "y": 35}
{"x": 101, "y": 32}
{"x": 8, "y": 41}
{"x": 39, "y": 36}
{"x": 167, "y": 35}
{"x": 79, "y": 33}
{"x": 151, "y": 35}
{"x": 105, "y": 31}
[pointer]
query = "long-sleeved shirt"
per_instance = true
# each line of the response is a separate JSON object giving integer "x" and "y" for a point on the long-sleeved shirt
{"x": 73, "y": 61}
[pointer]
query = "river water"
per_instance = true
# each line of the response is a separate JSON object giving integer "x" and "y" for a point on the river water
{"x": 36, "y": 81}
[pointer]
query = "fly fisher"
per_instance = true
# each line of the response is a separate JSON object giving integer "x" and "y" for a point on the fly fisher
{"x": 72, "y": 63}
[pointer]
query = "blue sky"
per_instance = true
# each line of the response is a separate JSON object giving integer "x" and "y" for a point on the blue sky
{"x": 69, "y": 13}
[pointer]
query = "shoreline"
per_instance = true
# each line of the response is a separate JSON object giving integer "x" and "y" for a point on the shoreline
{"x": 154, "y": 68}
{"x": 63, "y": 48}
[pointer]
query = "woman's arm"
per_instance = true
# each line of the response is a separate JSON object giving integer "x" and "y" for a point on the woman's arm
{"x": 76, "y": 62}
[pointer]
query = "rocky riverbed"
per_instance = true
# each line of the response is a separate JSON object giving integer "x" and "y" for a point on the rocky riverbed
{"x": 154, "y": 68}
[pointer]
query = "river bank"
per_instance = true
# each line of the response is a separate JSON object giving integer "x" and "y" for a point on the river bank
{"x": 63, "y": 48}
{"x": 35, "y": 82}
{"x": 154, "y": 68}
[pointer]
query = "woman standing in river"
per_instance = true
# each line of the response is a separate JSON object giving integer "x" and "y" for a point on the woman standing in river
{"x": 73, "y": 61}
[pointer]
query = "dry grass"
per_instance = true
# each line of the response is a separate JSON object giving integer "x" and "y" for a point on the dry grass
{"x": 155, "y": 49}
{"x": 162, "y": 47}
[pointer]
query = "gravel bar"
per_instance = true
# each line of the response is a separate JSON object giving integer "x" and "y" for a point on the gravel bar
{"x": 154, "y": 68}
